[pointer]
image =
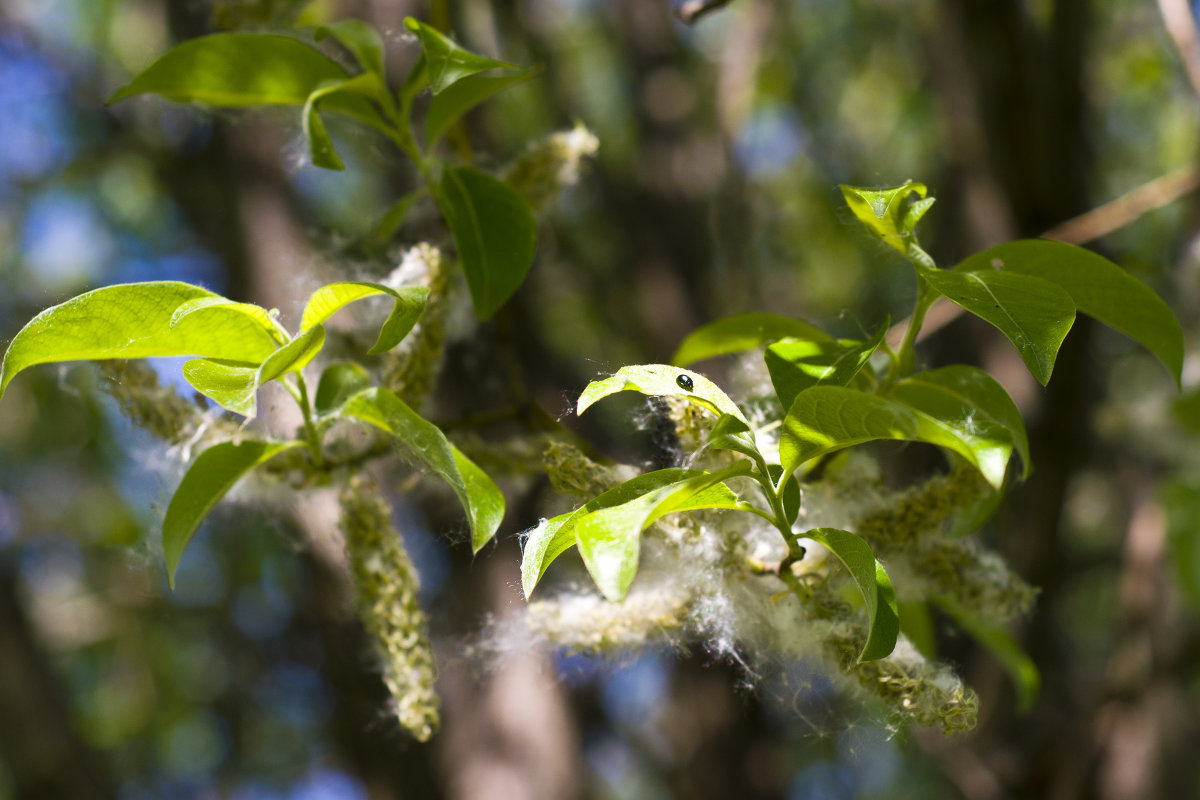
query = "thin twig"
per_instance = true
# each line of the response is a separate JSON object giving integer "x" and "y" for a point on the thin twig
{"x": 1181, "y": 27}
{"x": 691, "y": 11}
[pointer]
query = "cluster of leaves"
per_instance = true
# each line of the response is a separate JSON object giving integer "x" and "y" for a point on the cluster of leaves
{"x": 837, "y": 393}
{"x": 493, "y": 227}
{"x": 241, "y": 348}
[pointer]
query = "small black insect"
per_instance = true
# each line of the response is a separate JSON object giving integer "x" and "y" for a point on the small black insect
{"x": 685, "y": 382}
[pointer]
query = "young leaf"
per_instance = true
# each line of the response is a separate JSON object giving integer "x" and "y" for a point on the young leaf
{"x": 1034, "y": 314}
{"x": 360, "y": 39}
{"x": 215, "y": 304}
{"x": 293, "y": 356}
{"x": 494, "y": 231}
{"x": 609, "y": 538}
{"x": 338, "y": 382}
{"x": 828, "y": 418}
{"x": 211, "y": 475}
{"x": 791, "y": 493}
{"x": 661, "y": 380}
{"x": 458, "y": 99}
{"x": 446, "y": 62}
{"x": 331, "y": 298}
{"x": 320, "y": 145}
{"x": 972, "y": 404}
{"x": 997, "y": 639}
{"x": 133, "y": 320}
{"x": 1098, "y": 288}
{"x": 546, "y": 542}
{"x": 796, "y": 365}
{"x": 732, "y": 433}
{"x": 232, "y": 385}
{"x": 480, "y": 497}
{"x": 883, "y": 618}
{"x": 892, "y": 214}
{"x": 742, "y": 332}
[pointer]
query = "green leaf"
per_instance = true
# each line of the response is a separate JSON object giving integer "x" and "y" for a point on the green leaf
{"x": 1098, "y": 288}
{"x": 480, "y": 497}
{"x": 208, "y": 479}
{"x": 232, "y": 385}
{"x": 742, "y": 332}
{"x": 217, "y": 305}
{"x": 883, "y": 618}
{"x": 732, "y": 433}
{"x": 609, "y": 538}
{"x": 320, "y": 145}
{"x": 360, "y": 39}
{"x": 446, "y": 62}
{"x": 661, "y": 380}
{"x": 549, "y": 540}
{"x": 235, "y": 69}
{"x": 1181, "y": 501}
{"x": 331, "y": 298}
{"x": 1033, "y": 313}
{"x": 892, "y": 214}
{"x": 797, "y": 365}
{"x": 338, "y": 382}
{"x": 133, "y": 320}
{"x": 494, "y": 231}
{"x": 458, "y": 99}
{"x": 997, "y": 639}
{"x": 828, "y": 418}
{"x": 972, "y": 404}
{"x": 293, "y": 356}
{"x": 416, "y": 80}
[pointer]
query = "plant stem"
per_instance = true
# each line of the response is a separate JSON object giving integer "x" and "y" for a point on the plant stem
{"x": 903, "y": 363}
{"x": 310, "y": 430}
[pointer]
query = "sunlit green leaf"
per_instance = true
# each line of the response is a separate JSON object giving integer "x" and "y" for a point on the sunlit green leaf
{"x": 661, "y": 380}
{"x": 338, "y": 382}
{"x": 360, "y": 39}
{"x": 233, "y": 385}
{"x": 972, "y": 404}
{"x": 461, "y": 97}
{"x": 446, "y": 62}
{"x": 892, "y": 214}
{"x": 133, "y": 320}
{"x": 828, "y": 418}
{"x": 293, "y": 356}
{"x": 609, "y": 538}
{"x": 208, "y": 479}
{"x": 1098, "y": 288}
{"x": 1033, "y": 313}
{"x": 997, "y": 639}
{"x": 883, "y": 618}
{"x": 742, "y": 332}
{"x": 480, "y": 497}
{"x": 797, "y": 365}
{"x": 217, "y": 305}
{"x": 494, "y": 231}
{"x": 331, "y": 298}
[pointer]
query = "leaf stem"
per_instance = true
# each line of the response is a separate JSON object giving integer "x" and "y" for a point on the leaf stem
{"x": 903, "y": 363}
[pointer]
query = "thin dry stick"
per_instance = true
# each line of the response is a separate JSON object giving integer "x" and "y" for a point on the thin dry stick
{"x": 1181, "y": 27}
{"x": 691, "y": 11}
{"x": 1087, "y": 227}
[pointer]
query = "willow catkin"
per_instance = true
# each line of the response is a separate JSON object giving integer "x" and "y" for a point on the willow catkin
{"x": 386, "y": 585}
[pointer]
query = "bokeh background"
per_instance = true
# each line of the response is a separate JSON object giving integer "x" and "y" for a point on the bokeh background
{"x": 713, "y": 192}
